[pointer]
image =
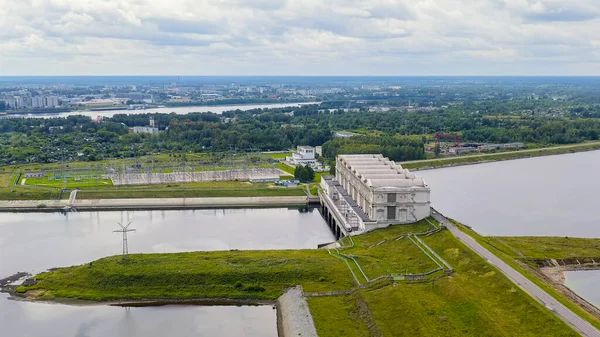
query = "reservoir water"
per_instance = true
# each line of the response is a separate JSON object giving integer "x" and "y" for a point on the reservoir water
{"x": 33, "y": 242}
{"x": 585, "y": 284}
{"x": 543, "y": 196}
{"x": 218, "y": 109}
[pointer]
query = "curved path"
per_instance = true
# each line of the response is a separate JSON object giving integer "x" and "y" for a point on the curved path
{"x": 568, "y": 316}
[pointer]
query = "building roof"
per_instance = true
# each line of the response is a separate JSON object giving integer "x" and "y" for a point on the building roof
{"x": 305, "y": 147}
{"x": 376, "y": 171}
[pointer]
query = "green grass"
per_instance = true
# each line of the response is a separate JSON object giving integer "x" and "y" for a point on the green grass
{"x": 507, "y": 255}
{"x": 71, "y": 183}
{"x": 286, "y": 168}
{"x": 227, "y": 274}
{"x": 473, "y": 159}
{"x": 549, "y": 247}
{"x": 187, "y": 193}
{"x": 6, "y": 179}
{"x": 476, "y": 300}
{"x": 337, "y": 316}
{"x": 279, "y": 155}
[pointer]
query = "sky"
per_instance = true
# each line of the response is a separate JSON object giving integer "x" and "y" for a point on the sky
{"x": 299, "y": 37}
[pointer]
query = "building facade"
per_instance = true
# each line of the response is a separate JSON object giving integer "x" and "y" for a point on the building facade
{"x": 386, "y": 192}
{"x": 304, "y": 155}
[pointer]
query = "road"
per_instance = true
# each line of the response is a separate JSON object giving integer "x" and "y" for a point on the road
{"x": 568, "y": 316}
{"x": 500, "y": 153}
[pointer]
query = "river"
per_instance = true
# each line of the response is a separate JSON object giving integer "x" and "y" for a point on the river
{"x": 542, "y": 196}
{"x": 33, "y": 242}
{"x": 218, "y": 109}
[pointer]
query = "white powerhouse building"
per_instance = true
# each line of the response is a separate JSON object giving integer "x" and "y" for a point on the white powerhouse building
{"x": 382, "y": 192}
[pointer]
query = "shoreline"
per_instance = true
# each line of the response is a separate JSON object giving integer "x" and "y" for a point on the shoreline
{"x": 473, "y": 160}
{"x": 17, "y": 113}
{"x": 556, "y": 277}
{"x": 151, "y": 204}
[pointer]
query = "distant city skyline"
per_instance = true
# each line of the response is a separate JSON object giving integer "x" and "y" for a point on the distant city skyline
{"x": 301, "y": 37}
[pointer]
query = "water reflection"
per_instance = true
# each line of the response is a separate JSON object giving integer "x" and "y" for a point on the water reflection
{"x": 52, "y": 320}
{"x": 33, "y": 242}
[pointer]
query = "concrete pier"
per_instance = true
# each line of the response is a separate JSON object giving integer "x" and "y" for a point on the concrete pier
{"x": 293, "y": 315}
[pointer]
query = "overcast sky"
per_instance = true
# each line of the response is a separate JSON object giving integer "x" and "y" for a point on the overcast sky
{"x": 299, "y": 37}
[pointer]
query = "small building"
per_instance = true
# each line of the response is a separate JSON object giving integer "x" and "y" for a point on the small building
{"x": 459, "y": 150}
{"x": 144, "y": 129}
{"x": 35, "y": 174}
{"x": 304, "y": 155}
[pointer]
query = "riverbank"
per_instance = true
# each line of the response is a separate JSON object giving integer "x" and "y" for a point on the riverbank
{"x": 475, "y": 300}
{"x": 526, "y": 253}
{"x": 150, "y": 203}
{"x": 501, "y": 156}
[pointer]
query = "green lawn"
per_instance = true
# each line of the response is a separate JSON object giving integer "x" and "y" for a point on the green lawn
{"x": 225, "y": 274}
{"x": 477, "y": 300}
{"x": 187, "y": 193}
{"x": 549, "y": 247}
{"x": 508, "y": 255}
{"x": 71, "y": 183}
{"x": 337, "y": 316}
{"x": 279, "y": 155}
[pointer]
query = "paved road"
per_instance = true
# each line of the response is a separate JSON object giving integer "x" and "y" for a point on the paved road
{"x": 582, "y": 326}
{"x": 499, "y": 153}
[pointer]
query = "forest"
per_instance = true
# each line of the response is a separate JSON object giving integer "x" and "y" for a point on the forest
{"x": 398, "y": 133}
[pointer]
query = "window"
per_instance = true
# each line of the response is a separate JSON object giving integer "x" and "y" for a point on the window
{"x": 391, "y": 197}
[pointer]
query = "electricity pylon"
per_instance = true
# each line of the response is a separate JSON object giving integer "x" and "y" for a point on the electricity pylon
{"x": 124, "y": 230}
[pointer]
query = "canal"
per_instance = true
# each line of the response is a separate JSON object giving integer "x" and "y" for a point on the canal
{"x": 33, "y": 242}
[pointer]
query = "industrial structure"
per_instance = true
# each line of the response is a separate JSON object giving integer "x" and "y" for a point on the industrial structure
{"x": 304, "y": 155}
{"x": 370, "y": 191}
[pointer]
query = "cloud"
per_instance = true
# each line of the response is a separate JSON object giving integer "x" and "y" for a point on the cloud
{"x": 342, "y": 37}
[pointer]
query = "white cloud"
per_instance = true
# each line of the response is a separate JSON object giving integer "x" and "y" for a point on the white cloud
{"x": 344, "y": 37}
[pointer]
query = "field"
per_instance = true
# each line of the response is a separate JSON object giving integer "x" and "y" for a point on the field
{"x": 489, "y": 157}
{"x": 229, "y": 274}
{"x": 279, "y": 155}
{"x": 71, "y": 182}
{"x": 511, "y": 255}
{"x": 528, "y": 247}
{"x": 476, "y": 300}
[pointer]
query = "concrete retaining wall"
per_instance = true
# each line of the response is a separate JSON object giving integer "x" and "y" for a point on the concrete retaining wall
{"x": 152, "y": 203}
{"x": 293, "y": 315}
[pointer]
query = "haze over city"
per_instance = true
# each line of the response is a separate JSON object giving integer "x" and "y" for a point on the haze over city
{"x": 233, "y": 37}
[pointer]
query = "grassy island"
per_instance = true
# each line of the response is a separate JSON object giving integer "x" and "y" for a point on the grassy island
{"x": 475, "y": 300}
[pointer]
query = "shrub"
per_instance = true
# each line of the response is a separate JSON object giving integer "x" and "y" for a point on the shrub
{"x": 255, "y": 288}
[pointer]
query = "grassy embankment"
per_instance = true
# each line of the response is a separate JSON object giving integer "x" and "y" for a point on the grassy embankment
{"x": 490, "y": 157}
{"x": 519, "y": 253}
{"x": 476, "y": 300}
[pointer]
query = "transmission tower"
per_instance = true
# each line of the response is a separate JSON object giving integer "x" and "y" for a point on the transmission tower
{"x": 124, "y": 230}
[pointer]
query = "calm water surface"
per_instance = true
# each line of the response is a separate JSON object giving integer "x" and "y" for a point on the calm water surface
{"x": 33, "y": 242}
{"x": 552, "y": 196}
{"x": 586, "y": 284}
{"x": 218, "y": 109}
